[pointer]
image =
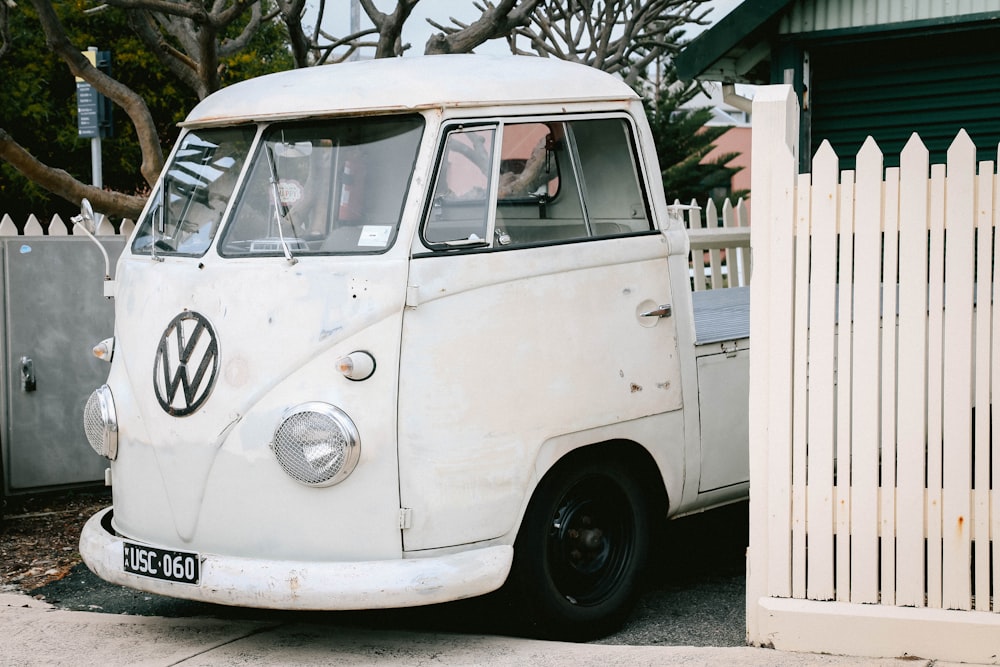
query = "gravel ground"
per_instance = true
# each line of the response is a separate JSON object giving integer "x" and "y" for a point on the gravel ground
{"x": 40, "y": 535}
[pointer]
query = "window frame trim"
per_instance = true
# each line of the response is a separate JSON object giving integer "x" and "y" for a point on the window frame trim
{"x": 445, "y": 129}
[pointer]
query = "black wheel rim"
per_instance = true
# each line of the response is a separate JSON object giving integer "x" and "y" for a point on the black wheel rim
{"x": 591, "y": 541}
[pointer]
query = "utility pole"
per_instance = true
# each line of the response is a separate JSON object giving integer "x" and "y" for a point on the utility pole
{"x": 355, "y": 22}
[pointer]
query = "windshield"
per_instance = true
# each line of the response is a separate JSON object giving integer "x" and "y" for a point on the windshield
{"x": 195, "y": 192}
{"x": 328, "y": 187}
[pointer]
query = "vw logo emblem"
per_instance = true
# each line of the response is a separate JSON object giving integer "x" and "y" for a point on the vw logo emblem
{"x": 187, "y": 360}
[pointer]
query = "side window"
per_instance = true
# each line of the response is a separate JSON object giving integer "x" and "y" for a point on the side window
{"x": 528, "y": 171}
{"x": 461, "y": 200}
{"x": 539, "y": 201}
{"x": 556, "y": 180}
{"x": 574, "y": 180}
{"x": 609, "y": 177}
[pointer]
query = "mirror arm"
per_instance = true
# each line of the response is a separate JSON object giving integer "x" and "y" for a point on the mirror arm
{"x": 87, "y": 215}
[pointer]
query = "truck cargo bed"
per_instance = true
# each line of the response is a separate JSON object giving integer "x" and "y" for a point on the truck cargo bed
{"x": 721, "y": 314}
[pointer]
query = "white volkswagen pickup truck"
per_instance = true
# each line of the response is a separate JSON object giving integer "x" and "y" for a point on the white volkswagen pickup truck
{"x": 400, "y": 332}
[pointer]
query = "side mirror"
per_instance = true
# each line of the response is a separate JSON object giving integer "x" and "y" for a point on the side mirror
{"x": 87, "y": 211}
{"x": 86, "y": 221}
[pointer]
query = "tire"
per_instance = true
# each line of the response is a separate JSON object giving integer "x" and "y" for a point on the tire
{"x": 581, "y": 551}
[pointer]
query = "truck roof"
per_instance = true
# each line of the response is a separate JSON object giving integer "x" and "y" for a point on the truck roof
{"x": 408, "y": 84}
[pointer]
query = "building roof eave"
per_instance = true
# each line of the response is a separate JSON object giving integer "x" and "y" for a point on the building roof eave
{"x": 745, "y": 25}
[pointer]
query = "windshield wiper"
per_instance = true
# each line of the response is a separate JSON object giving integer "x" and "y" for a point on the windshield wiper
{"x": 159, "y": 218}
{"x": 279, "y": 209}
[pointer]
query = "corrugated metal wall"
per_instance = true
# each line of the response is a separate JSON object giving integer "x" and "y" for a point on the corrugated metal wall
{"x": 888, "y": 89}
{"x": 813, "y": 15}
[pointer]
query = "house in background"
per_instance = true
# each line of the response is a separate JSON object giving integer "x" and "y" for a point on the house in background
{"x": 885, "y": 68}
{"x": 735, "y": 140}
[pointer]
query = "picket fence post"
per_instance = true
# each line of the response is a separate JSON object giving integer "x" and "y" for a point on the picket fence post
{"x": 774, "y": 165}
{"x": 7, "y": 226}
{"x": 911, "y": 436}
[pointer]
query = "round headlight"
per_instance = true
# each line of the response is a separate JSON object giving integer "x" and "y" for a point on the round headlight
{"x": 317, "y": 444}
{"x": 100, "y": 422}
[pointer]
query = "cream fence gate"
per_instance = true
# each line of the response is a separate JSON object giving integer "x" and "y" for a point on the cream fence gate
{"x": 872, "y": 506}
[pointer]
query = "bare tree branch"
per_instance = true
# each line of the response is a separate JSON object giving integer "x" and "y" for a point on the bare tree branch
{"x": 291, "y": 14}
{"x": 224, "y": 12}
{"x": 496, "y": 21}
{"x": 352, "y": 43}
{"x": 620, "y": 36}
{"x": 4, "y": 28}
{"x": 182, "y": 66}
{"x": 123, "y": 96}
{"x": 194, "y": 47}
{"x": 236, "y": 44}
{"x": 389, "y": 26}
{"x": 311, "y": 45}
{"x": 191, "y": 10}
{"x": 63, "y": 184}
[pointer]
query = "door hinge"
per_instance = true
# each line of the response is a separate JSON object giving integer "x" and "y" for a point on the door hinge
{"x": 405, "y": 518}
{"x": 412, "y": 296}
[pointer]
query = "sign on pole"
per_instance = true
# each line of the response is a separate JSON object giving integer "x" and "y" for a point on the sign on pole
{"x": 93, "y": 109}
{"x": 88, "y": 124}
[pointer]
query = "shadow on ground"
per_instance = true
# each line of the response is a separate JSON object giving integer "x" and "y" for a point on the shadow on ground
{"x": 693, "y": 595}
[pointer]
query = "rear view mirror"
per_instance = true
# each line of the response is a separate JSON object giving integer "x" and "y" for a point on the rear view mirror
{"x": 86, "y": 218}
{"x": 86, "y": 221}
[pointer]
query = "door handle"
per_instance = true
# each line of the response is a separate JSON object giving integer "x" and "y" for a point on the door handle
{"x": 666, "y": 310}
{"x": 28, "y": 374}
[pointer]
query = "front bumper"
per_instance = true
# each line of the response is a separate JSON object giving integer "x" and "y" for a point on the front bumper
{"x": 285, "y": 584}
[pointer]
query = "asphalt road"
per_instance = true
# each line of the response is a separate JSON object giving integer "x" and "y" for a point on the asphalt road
{"x": 694, "y": 595}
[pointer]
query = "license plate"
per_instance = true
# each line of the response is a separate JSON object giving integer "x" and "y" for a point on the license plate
{"x": 181, "y": 566}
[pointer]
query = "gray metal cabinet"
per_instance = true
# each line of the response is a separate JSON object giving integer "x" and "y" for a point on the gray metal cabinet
{"x": 54, "y": 311}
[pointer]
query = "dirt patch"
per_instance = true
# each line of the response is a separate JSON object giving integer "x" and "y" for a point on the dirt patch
{"x": 40, "y": 536}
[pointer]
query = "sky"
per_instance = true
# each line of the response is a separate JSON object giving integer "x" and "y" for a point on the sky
{"x": 416, "y": 31}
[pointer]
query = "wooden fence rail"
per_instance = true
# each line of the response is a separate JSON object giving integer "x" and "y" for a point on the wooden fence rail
{"x": 720, "y": 246}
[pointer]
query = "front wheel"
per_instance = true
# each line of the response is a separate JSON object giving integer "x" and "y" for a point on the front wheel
{"x": 581, "y": 550}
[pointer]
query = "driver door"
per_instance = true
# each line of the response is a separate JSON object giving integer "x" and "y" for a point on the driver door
{"x": 536, "y": 259}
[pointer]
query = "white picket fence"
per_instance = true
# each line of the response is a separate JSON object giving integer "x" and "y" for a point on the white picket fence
{"x": 872, "y": 470}
{"x": 720, "y": 246}
{"x": 59, "y": 227}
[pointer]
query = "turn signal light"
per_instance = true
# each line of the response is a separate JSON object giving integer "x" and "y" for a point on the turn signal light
{"x": 105, "y": 349}
{"x": 357, "y": 365}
